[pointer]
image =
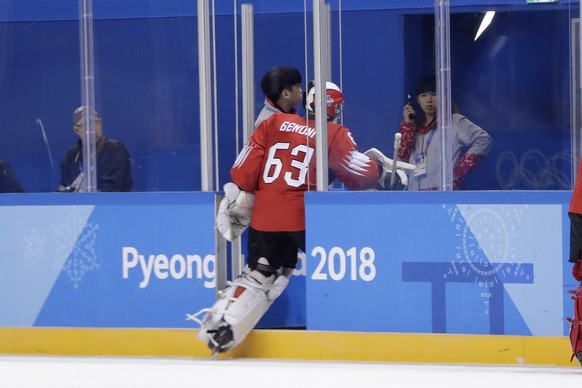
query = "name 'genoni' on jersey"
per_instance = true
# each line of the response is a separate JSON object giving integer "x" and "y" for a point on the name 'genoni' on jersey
{"x": 288, "y": 126}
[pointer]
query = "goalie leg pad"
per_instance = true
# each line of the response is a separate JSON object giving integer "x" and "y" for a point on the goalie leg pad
{"x": 238, "y": 309}
{"x": 280, "y": 283}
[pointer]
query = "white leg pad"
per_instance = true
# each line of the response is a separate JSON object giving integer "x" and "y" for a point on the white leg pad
{"x": 245, "y": 312}
{"x": 239, "y": 306}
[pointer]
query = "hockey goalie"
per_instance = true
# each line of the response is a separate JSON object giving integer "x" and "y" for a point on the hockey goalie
{"x": 269, "y": 179}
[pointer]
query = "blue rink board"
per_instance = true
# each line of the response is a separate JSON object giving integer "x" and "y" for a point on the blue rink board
{"x": 106, "y": 259}
{"x": 438, "y": 262}
{"x": 456, "y": 262}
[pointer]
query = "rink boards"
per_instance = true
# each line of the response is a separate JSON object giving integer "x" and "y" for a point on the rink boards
{"x": 459, "y": 263}
{"x": 398, "y": 270}
{"x": 106, "y": 260}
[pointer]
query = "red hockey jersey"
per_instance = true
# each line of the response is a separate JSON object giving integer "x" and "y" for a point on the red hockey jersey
{"x": 278, "y": 164}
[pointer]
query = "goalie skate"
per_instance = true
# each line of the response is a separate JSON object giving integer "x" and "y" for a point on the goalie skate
{"x": 238, "y": 309}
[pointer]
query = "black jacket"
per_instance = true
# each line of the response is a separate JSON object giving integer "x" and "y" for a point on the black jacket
{"x": 9, "y": 183}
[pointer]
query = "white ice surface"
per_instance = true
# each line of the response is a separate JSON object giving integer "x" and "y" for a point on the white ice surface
{"x": 102, "y": 372}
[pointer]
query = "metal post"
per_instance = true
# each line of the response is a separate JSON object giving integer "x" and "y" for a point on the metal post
{"x": 443, "y": 79}
{"x": 206, "y": 156}
{"x": 88, "y": 95}
{"x": 320, "y": 98}
{"x": 205, "y": 93}
{"x": 220, "y": 249}
{"x": 248, "y": 70}
{"x": 576, "y": 76}
{"x": 326, "y": 29}
{"x": 578, "y": 108}
{"x": 248, "y": 97}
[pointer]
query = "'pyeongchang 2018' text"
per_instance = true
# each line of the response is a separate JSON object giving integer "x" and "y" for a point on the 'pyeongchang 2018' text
{"x": 161, "y": 267}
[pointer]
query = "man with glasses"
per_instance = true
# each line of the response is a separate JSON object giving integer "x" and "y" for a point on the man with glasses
{"x": 113, "y": 162}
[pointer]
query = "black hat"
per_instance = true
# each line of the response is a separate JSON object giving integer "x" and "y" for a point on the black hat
{"x": 426, "y": 84}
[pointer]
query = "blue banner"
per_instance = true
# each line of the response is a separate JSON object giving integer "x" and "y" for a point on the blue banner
{"x": 136, "y": 261}
{"x": 436, "y": 263}
{"x": 467, "y": 263}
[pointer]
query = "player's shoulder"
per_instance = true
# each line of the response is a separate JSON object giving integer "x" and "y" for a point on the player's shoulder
{"x": 334, "y": 128}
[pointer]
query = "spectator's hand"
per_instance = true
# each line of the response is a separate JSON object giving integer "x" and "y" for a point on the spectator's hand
{"x": 576, "y": 272}
{"x": 408, "y": 113}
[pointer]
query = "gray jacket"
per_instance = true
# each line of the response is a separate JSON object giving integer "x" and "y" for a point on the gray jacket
{"x": 268, "y": 110}
{"x": 467, "y": 137}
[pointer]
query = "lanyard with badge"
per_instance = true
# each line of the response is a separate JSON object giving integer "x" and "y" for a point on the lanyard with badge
{"x": 420, "y": 158}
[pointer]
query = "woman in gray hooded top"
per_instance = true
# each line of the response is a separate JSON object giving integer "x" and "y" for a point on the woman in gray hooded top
{"x": 420, "y": 142}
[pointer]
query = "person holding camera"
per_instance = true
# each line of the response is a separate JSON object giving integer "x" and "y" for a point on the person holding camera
{"x": 420, "y": 142}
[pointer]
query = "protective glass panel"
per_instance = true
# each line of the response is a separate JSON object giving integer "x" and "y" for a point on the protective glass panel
{"x": 39, "y": 89}
{"x": 146, "y": 93}
{"x": 513, "y": 74}
{"x": 263, "y": 39}
{"x": 517, "y": 82}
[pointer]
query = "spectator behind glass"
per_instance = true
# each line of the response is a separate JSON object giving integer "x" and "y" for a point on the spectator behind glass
{"x": 282, "y": 89}
{"x": 420, "y": 143}
{"x": 9, "y": 183}
{"x": 113, "y": 162}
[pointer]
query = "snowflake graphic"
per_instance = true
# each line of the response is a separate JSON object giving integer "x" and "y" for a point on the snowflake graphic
{"x": 83, "y": 257}
{"x": 34, "y": 247}
{"x": 486, "y": 254}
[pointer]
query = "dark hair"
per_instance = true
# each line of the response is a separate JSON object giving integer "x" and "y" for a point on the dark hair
{"x": 278, "y": 79}
{"x": 426, "y": 84}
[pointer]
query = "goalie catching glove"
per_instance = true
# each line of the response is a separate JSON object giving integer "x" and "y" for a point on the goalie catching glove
{"x": 234, "y": 212}
{"x": 386, "y": 165}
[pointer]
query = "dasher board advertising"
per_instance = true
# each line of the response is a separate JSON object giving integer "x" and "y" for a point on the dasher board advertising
{"x": 463, "y": 263}
{"x": 141, "y": 260}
